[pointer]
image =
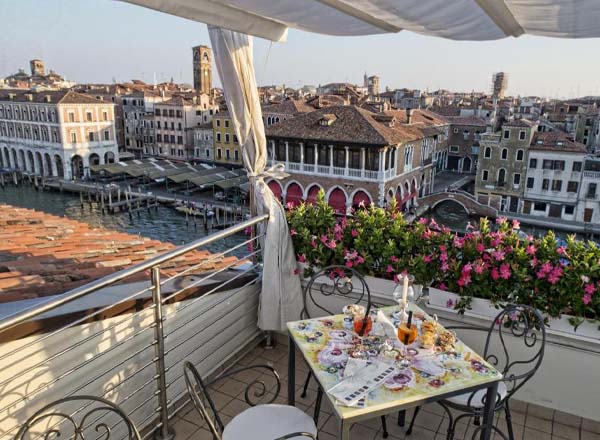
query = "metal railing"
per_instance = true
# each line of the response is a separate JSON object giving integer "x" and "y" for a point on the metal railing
{"x": 126, "y": 342}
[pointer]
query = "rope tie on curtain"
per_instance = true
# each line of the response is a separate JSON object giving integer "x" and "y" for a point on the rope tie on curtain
{"x": 277, "y": 171}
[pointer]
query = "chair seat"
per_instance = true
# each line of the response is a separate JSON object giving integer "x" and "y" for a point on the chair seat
{"x": 268, "y": 422}
{"x": 476, "y": 401}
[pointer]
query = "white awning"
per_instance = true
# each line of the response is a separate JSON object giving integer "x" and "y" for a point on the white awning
{"x": 453, "y": 19}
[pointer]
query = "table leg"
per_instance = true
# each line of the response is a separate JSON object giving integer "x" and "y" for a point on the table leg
{"x": 345, "y": 430}
{"x": 292, "y": 373}
{"x": 488, "y": 411}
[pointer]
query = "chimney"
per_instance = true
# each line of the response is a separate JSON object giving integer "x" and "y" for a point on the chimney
{"x": 408, "y": 115}
{"x": 29, "y": 96}
{"x": 48, "y": 98}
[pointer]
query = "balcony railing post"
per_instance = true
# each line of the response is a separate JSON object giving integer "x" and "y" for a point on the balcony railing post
{"x": 164, "y": 433}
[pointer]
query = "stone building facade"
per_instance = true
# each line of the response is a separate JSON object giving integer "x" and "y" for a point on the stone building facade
{"x": 356, "y": 156}
{"x": 502, "y": 165}
{"x": 463, "y": 143}
{"x": 55, "y": 133}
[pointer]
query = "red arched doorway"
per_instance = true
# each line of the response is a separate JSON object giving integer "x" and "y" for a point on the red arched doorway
{"x": 361, "y": 197}
{"x": 294, "y": 194}
{"x": 337, "y": 200}
{"x": 276, "y": 188}
{"x": 311, "y": 196}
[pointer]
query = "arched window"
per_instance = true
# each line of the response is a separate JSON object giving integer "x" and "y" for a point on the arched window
{"x": 504, "y": 154}
{"x": 487, "y": 153}
{"x": 520, "y": 154}
{"x": 501, "y": 176}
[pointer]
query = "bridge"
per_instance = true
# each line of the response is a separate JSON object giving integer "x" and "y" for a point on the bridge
{"x": 463, "y": 198}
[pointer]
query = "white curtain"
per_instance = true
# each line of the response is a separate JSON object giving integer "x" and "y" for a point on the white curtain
{"x": 281, "y": 296}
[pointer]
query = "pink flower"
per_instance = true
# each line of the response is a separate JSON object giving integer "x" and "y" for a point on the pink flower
{"x": 427, "y": 258}
{"x": 349, "y": 264}
{"x": 496, "y": 242}
{"x": 589, "y": 290}
{"x": 467, "y": 268}
{"x": 480, "y": 248}
{"x": 478, "y": 268}
{"x": 351, "y": 255}
{"x": 464, "y": 280}
{"x": 442, "y": 286}
{"x": 289, "y": 206}
{"x": 389, "y": 269}
{"x": 359, "y": 260}
{"x": 445, "y": 266}
{"x": 443, "y": 248}
{"x": 313, "y": 242}
{"x": 495, "y": 274}
{"x": 505, "y": 271}
{"x": 394, "y": 259}
{"x": 561, "y": 250}
{"x": 534, "y": 262}
{"x": 433, "y": 225}
{"x": 458, "y": 242}
{"x": 445, "y": 229}
{"x": 354, "y": 233}
{"x": 516, "y": 224}
{"x": 554, "y": 276}
{"x": 293, "y": 232}
{"x": 498, "y": 255}
{"x": 531, "y": 249}
{"x": 301, "y": 258}
{"x": 423, "y": 221}
{"x": 444, "y": 257}
{"x": 500, "y": 220}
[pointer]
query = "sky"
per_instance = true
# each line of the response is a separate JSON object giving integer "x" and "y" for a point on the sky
{"x": 97, "y": 41}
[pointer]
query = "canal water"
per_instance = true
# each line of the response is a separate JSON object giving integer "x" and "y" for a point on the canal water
{"x": 164, "y": 224}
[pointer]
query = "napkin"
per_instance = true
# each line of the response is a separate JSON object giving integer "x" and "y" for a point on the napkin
{"x": 387, "y": 328}
{"x": 429, "y": 365}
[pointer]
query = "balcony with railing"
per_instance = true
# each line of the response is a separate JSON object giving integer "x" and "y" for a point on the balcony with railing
{"x": 333, "y": 171}
{"x": 126, "y": 337}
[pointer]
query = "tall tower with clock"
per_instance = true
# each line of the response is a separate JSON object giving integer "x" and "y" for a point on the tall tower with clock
{"x": 202, "y": 69}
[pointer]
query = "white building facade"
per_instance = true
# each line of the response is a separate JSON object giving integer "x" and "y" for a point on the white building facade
{"x": 55, "y": 133}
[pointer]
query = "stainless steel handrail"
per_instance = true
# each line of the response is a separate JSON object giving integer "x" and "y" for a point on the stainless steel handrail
{"x": 79, "y": 292}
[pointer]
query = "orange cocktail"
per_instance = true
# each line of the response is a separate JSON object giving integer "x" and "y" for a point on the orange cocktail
{"x": 358, "y": 325}
{"x": 407, "y": 335}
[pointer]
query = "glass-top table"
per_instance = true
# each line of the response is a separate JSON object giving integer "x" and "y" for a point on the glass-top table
{"x": 326, "y": 345}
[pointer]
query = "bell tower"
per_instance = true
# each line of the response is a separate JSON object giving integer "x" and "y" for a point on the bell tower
{"x": 202, "y": 62}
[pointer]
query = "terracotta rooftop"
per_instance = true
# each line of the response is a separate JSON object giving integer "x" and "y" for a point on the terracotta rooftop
{"x": 288, "y": 107}
{"x": 466, "y": 120}
{"x": 356, "y": 125}
{"x": 49, "y": 97}
{"x": 43, "y": 254}
{"x": 556, "y": 141}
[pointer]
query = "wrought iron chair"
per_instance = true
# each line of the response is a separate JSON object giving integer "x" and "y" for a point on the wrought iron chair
{"x": 520, "y": 322}
{"x": 328, "y": 283}
{"x": 51, "y": 420}
{"x": 264, "y": 421}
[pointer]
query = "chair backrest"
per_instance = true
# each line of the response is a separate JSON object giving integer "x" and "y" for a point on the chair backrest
{"x": 79, "y": 418}
{"x": 515, "y": 344}
{"x": 328, "y": 285}
{"x": 202, "y": 401}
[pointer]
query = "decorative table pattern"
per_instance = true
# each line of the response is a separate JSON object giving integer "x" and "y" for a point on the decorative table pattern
{"x": 326, "y": 346}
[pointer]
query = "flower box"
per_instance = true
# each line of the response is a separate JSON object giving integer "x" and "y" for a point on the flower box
{"x": 484, "y": 309}
{"x": 480, "y": 308}
{"x": 379, "y": 287}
